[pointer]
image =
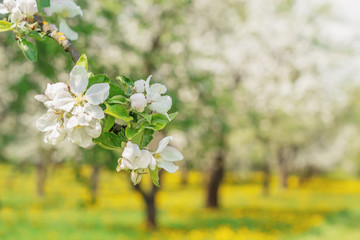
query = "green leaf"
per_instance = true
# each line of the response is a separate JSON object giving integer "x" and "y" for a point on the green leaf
{"x": 28, "y": 49}
{"x": 173, "y": 115}
{"x": 115, "y": 90}
{"x": 83, "y": 61}
{"x": 155, "y": 176}
{"x": 132, "y": 132}
{"x": 109, "y": 141}
{"x": 148, "y": 136}
{"x": 118, "y": 99}
{"x": 4, "y": 26}
{"x": 37, "y": 36}
{"x": 158, "y": 122}
{"x": 101, "y": 78}
{"x": 44, "y": 3}
{"x": 126, "y": 80}
{"x": 118, "y": 111}
{"x": 146, "y": 116}
{"x": 109, "y": 122}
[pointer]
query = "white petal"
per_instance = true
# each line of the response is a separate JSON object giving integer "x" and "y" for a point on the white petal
{"x": 69, "y": 33}
{"x": 47, "y": 122}
{"x": 41, "y": 98}
{"x": 139, "y": 86}
{"x": 135, "y": 177}
{"x": 54, "y": 137}
{"x": 94, "y": 129}
{"x": 158, "y": 88}
{"x": 28, "y": 7}
{"x": 95, "y": 111}
{"x": 131, "y": 151}
{"x": 171, "y": 154}
{"x": 145, "y": 159}
{"x": 168, "y": 166}
{"x": 3, "y": 9}
{"x": 64, "y": 101}
{"x": 138, "y": 102}
{"x": 147, "y": 84}
{"x": 152, "y": 164}
{"x": 54, "y": 89}
{"x": 78, "y": 80}
{"x": 72, "y": 123}
{"x": 97, "y": 93}
{"x": 16, "y": 15}
{"x": 163, "y": 143}
{"x": 161, "y": 104}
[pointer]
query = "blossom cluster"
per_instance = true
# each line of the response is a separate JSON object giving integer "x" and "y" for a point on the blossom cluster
{"x": 19, "y": 10}
{"x": 152, "y": 96}
{"x": 73, "y": 113}
{"x": 137, "y": 161}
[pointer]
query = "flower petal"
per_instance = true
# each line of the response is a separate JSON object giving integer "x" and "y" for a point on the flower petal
{"x": 41, "y": 98}
{"x": 161, "y": 104}
{"x": 158, "y": 88}
{"x": 47, "y": 122}
{"x": 78, "y": 80}
{"x": 3, "y": 9}
{"x": 95, "y": 111}
{"x": 145, "y": 159}
{"x": 69, "y": 33}
{"x": 97, "y": 93}
{"x": 131, "y": 151}
{"x": 63, "y": 101}
{"x": 163, "y": 143}
{"x": 168, "y": 166}
{"x": 171, "y": 154}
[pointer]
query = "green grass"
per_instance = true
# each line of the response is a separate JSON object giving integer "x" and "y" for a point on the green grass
{"x": 321, "y": 209}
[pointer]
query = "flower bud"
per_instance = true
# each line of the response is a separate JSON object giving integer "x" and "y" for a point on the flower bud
{"x": 139, "y": 86}
{"x": 135, "y": 177}
{"x": 138, "y": 102}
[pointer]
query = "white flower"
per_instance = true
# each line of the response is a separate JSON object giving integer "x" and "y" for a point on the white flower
{"x": 28, "y": 7}
{"x": 138, "y": 102}
{"x": 158, "y": 103}
{"x": 65, "y": 9}
{"x": 7, "y": 6}
{"x": 133, "y": 158}
{"x": 90, "y": 101}
{"x": 139, "y": 86}
{"x": 52, "y": 123}
{"x": 166, "y": 156}
{"x": 16, "y": 16}
{"x": 51, "y": 92}
{"x": 81, "y": 129}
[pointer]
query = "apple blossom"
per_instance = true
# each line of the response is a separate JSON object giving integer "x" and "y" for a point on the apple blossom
{"x": 7, "y": 6}
{"x": 157, "y": 103}
{"x": 133, "y": 158}
{"x": 28, "y": 7}
{"x": 65, "y": 9}
{"x": 18, "y": 9}
{"x": 53, "y": 124}
{"x": 139, "y": 86}
{"x": 166, "y": 156}
{"x": 138, "y": 102}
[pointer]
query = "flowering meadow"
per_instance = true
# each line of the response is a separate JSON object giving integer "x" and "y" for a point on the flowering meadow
{"x": 318, "y": 209}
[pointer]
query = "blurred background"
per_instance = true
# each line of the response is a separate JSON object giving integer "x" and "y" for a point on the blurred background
{"x": 267, "y": 94}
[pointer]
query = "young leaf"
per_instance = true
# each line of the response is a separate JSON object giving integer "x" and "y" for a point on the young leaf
{"x": 147, "y": 137}
{"x": 158, "y": 122}
{"x": 101, "y": 78}
{"x": 83, "y": 61}
{"x": 146, "y": 116}
{"x": 173, "y": 115}
{"x": 109, "y": 141}
{"x": 155, "y": 176}
{"x": 109, "y": 122}
{"x": 115, "y": 90}
{"x": 28, "y": 49}
{"x": 37, "y": 36}
{"x": 118, "y": 99}
{"x": 132, "y": 132}
{"x": 118, "y": 111}
{"x": 126, "y": 80}
{"x": 44, "y": 3}
{"x": 4, "y": 26}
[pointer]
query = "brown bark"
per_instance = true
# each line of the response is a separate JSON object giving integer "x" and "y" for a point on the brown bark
{"x": 266, "y": 180}
{"x": 94, "y": 183}
{"x": 149, "y": 198}
{"x": 40, "y": 179}
{"x": 283, "y": 168}
{"x": 216, "y": 176}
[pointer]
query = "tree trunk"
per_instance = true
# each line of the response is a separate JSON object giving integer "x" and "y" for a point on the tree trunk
{"x": 40, "y": 179}
{"x": 266, "y": 180}
{"x": 94, "y": 183}
{"x": 283, "y": 168}
{"x": 216, "y": 176}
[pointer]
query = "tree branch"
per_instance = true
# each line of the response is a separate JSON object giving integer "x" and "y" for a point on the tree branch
{"x": 58, "y": 37}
